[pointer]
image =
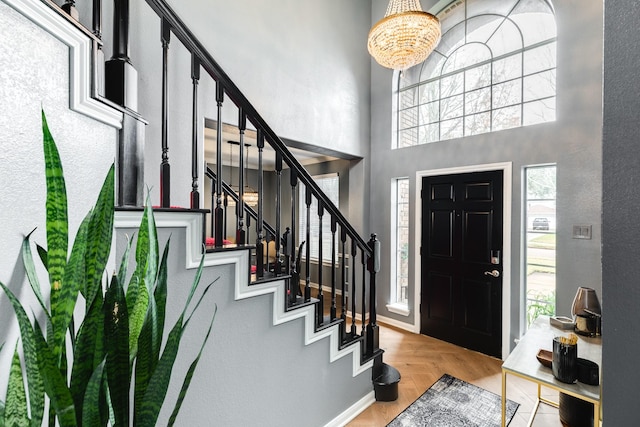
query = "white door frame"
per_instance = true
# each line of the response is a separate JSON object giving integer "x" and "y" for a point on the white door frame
{"x": 506, "y": 167}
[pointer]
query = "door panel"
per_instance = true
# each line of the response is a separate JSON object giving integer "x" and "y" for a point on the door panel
{"x": 462, "y": 227}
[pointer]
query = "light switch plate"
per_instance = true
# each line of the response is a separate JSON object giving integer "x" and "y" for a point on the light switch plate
{"x": 582, "y": 232}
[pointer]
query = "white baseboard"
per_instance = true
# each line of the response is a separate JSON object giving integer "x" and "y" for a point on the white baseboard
{"x": 397, "y": 324}
{"x": 353, "y": 411}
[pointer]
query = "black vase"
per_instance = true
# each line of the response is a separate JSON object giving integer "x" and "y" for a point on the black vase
{"x": 565, "y": 361}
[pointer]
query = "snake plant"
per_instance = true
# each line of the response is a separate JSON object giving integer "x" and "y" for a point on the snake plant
{"x": 115, "y": 353}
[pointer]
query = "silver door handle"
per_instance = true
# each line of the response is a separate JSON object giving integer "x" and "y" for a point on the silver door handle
{"x": 494, "y": 273}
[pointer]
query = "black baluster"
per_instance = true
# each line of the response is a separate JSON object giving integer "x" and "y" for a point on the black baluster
{"x": 240, "y": 233}
{"x": 295, "y": 275}
{"x": 96, "y": 16}
{"x": 320, "y": 312}
{"x": 195, "y": 77}
{"x": 119, "y": 84}
{"x": 278, "y": 267}
{"x": 165, "y": 169}
{"x": 225, "y": 203}
{"x": 333, "y": 267}
{"x": 343, "y": 287}
{"x": 352, "y": 288}
{"x": 260, "y": 222}
{"x": 219, "y": 210}
{"x": 372, "y": 338}
{"x": 363, "y": 260}
{"x": 213, "y": 202}
{"x": 98, "y": 60}
{"x": 286, "y": 243}
{"x": 307, "y": 282}
{"x": 121, "y": 78}
{"x": 248, "y": 228}
{"x": 70, "y": 7}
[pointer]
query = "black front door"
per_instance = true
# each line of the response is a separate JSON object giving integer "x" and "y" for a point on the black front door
{"x": 461, "y": 259}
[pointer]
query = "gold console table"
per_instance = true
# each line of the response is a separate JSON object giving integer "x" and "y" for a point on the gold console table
{"x": 522, "y": 363}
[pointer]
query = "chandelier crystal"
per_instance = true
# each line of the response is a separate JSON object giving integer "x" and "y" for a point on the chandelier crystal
{"x": 405, "y": 36}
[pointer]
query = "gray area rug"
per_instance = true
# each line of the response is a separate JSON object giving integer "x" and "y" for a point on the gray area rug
{"x": 451, "y": 402}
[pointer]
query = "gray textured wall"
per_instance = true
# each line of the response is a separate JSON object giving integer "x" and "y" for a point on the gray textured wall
{"x": 620, "y": 233}
{"x": 573, "y": 142}
{"x": 303, "y": 64}
{"x": 34, "y": 74}
{"x": 251, "y": 373}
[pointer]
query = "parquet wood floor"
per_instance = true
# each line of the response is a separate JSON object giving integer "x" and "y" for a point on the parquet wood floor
{"x": 421, "y": 360}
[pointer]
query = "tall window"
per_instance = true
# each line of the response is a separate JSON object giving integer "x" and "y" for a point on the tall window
{"x": 540, "y": 238}
{"x": 401, "y": 239}
{"x": 330, "y": 185}
{"x": 494, "y": 69}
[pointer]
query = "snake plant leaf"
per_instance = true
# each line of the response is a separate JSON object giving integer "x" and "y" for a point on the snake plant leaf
{"x": 147, "y": 358}
{"x": 94, "y": 402}
{"x": 63, "y": 306}
{"x": 44, "y": 258}
{"x": 150, "y": 339}
{"x": 116, "y": 335}
{"x": 124, "y": 263}
{"x": 156, "y": 391}
{"x": 54, "y": 382}
{"x": 142, "y": 251}
{"x": 159, "y": 382}
{"x": 2, "y": 414}
{"x": 189, "y": 376}
{"x": 16, "y": 411}
{"x": 160, "y": 294}
{"x": 136, "y": 319}
{"x": 99, "y": 236}
{"x": 88, "y": 353}
{"x": 30, "y": 269}
{"x": 32, "y": 276}
{"x": 56, "y": 203}
{"x": 34, "y": 378}
{"x": 146, "y": 256}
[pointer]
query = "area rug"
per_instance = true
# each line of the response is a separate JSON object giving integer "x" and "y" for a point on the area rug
{"x": 451, "y": 402}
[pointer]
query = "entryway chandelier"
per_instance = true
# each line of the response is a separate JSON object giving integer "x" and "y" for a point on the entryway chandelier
{"x": 405, "y": 36}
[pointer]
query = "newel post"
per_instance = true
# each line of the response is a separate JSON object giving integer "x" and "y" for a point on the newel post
{"x": 121, "y": 87}
{"x": 373, "y": 265}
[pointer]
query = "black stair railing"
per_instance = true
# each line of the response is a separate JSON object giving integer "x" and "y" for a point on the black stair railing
{"x": 369, "y": 250}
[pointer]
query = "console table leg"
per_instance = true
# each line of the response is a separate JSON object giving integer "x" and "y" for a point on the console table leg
{"x": 504, "y": 398}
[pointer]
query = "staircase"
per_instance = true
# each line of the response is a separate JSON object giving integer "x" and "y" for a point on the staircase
{"x": 293, "y": 377}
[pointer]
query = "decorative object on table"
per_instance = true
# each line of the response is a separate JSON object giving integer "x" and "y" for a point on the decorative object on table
{"x": 588, "y": 323}
{"x": 588, "y": 372}
{"x": 586, "y": 312}
{"x": 574, "y": 412}
{"x": 565, "y": 359}
{"x": 562, "y": 322}
{"x": 451, "y": 402}
{"x": 545, "y": 357}
{"x": 585, "y": 299}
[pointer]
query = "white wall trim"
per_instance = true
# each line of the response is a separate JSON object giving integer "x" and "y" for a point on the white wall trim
{"x": 506, "y": 167}
{"x": 397, "y": 324}
{"x": 281, "y": 315}
{"x": 80, "y": 60}
{"x": 353, "y": 411}
{"x": 192, "y": 221}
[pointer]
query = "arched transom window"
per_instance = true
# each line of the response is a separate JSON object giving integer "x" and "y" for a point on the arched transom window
{"x": 494, "y": 69}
